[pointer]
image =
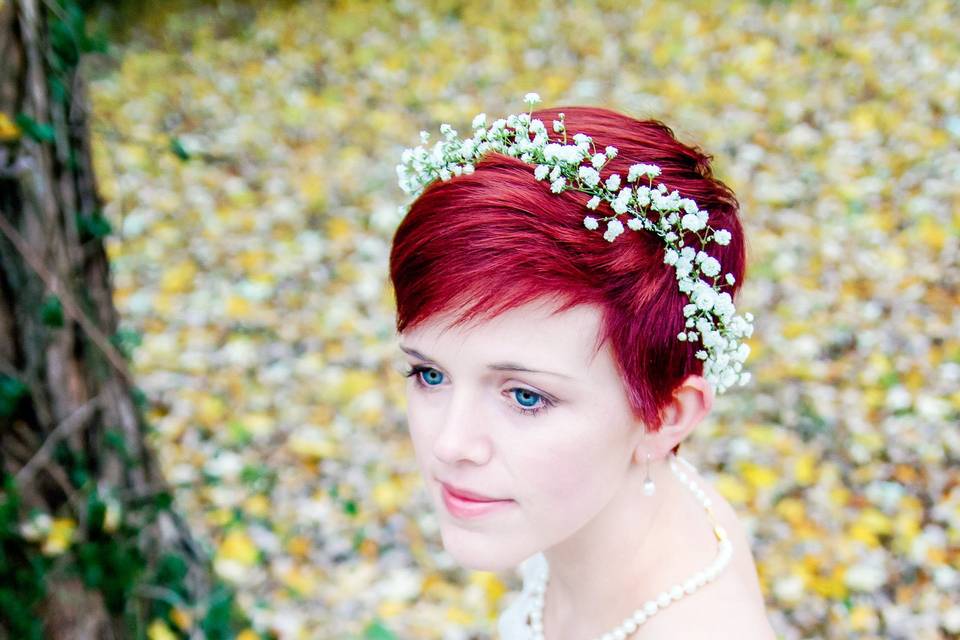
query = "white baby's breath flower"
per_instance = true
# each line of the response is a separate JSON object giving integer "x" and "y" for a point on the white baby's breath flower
{"x": 582, "y": 138}
{"x": 593, "y": 202}
{"x": 556, "y": 172}
{"x": 589, "y": 176}
{"x": 710, "y": 266}
{"x": 701, "y": 354}
{"x": 635, "y": 223}
{"x": 671, "y": 256}
{"x": 558, "y": 126}
{"x": 531, "y": 98}
{"x": 722, "y": 236}
{"x": 692, "y": 222}
{"x": 598, "y": 160}
{"x": 621, "y": 202}
{"x": 688, "y": 205}
{"x": 613, "y": 182}
{"x": 682, "y": 336}
{"x": 611, "y": 152}
{"x": 424, "y": 137}
{"x": 614, "y": 229}
{"x": 730, "y": 279}
{"x": 541, "y": 171}
{"x": 557, "y": 185}
{"x": 590, "y": 223}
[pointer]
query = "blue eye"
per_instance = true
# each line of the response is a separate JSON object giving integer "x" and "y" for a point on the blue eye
{"x": 430, "y": 377}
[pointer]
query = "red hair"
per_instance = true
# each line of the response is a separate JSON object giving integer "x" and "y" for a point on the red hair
{"x": 498, "y": 238}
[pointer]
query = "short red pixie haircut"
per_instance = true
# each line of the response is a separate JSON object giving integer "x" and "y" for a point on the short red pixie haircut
{"x": 480, "y": 244}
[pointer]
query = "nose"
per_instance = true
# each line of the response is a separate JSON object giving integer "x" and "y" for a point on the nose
{"x": 463, "y": 433}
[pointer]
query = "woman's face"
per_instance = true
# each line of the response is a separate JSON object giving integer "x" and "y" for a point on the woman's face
{"x": 554, "y": 444}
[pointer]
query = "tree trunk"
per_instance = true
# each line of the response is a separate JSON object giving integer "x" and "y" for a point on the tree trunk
{"x": 72, "y": 433}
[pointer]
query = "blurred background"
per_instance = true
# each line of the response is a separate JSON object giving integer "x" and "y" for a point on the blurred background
{"x": 246, "y": 156}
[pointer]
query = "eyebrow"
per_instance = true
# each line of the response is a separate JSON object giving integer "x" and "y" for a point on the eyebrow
{"x": 496, "y": 366}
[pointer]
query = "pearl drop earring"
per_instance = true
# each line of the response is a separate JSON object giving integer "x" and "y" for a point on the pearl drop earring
{"x": 648, "y": 486}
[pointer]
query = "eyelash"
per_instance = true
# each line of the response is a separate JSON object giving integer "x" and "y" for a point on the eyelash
{"x": 418, "y": 369}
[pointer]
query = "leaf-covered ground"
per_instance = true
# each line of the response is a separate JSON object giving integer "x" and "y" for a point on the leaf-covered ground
{"x": 256, "y": 270}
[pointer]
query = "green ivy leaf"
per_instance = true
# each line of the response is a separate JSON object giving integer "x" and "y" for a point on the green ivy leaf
{"x": 12, "y": 391}
{"x": 51, "y": 312}
{"x": 126, "y": 340}
{"x": 93, "y": 226}
{"x": 376, "y": 631}
{"x": 178, "y": 150}
{"x": 33, "y": 129}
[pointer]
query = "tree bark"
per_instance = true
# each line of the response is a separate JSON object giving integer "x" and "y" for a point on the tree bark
{"x": 60, "y": 438}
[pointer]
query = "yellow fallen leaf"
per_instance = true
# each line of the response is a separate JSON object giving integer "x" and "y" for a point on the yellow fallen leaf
{"x": 804, "y": 469}
{"x": 59, "y": 536}
{"x": 732, "y": 488}
{"x": 300, "y": 580}
{"x": 759, "y": 476}
{"x": 458, "y": 616}
{"x": 257, "y": 505}
{"x": 158, "y": 630}
{"x": 179, "y": 278}
{"x": 863, "y": 618}
{"x": 311, "y": 443}
{"x": 181, "y": 618}
{"x": 390, "y": 608}
{"x": 8, "y": 130}
{"x": 238, "y": 546}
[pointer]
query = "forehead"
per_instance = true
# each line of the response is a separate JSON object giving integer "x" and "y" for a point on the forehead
{"x": 529, "y": 332}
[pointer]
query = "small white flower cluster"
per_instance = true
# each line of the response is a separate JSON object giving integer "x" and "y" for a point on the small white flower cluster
{"x": 710, "y": 315}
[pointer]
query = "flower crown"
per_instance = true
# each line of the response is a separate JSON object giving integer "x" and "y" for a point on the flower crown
{"x": 710, "y": 314}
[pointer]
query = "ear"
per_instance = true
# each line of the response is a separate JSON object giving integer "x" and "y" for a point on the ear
{"x": 691, "y": 403}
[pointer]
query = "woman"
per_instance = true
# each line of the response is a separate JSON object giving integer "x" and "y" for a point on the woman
{"x": 554, "y": 371}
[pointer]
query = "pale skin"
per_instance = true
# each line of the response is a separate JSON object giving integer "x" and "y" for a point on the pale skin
{"x": 573, "y": 473}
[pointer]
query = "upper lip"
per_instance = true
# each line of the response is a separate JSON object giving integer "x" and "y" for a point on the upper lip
{"x": 469, "y": 495}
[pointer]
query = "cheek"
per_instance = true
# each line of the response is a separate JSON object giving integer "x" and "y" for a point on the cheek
{"x": 418, "y": 422}
{"x": 568, "y": 480}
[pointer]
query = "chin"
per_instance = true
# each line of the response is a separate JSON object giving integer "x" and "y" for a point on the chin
{"x": 482, "y": 550}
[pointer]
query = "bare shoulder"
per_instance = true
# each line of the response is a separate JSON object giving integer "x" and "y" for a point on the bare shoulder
{"x": 738, "y": 598}
{"x": 731, "y": 607}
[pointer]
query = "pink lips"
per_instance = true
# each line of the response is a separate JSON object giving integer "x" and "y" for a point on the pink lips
{"x": 462, "y": 506}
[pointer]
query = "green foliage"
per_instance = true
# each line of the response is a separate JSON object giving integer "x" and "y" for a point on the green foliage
{"x": 106, "y": 555}
{"x": 51, "y": 311}
{"x": 93, "y": 226}
{"x": 126, "y": 340}
{"x": 377, "y": 631}
{"x": 178, "y": 149}
{"x": 222, "y": 614}
{"x": 33, "y": 129}
{"x": 12, "y": 391}
{"x": 23, "y": 585}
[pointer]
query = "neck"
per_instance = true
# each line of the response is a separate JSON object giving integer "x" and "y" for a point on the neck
{"x": 607, "y": 569}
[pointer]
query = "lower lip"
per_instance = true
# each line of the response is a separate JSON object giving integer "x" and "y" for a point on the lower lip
{"x": 461, "y": 508}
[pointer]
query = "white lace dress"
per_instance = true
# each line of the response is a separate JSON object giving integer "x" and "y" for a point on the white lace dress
{"x": 513, "y": 623}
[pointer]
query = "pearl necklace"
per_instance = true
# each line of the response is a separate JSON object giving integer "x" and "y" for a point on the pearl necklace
{"x": 633, "y": 622}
